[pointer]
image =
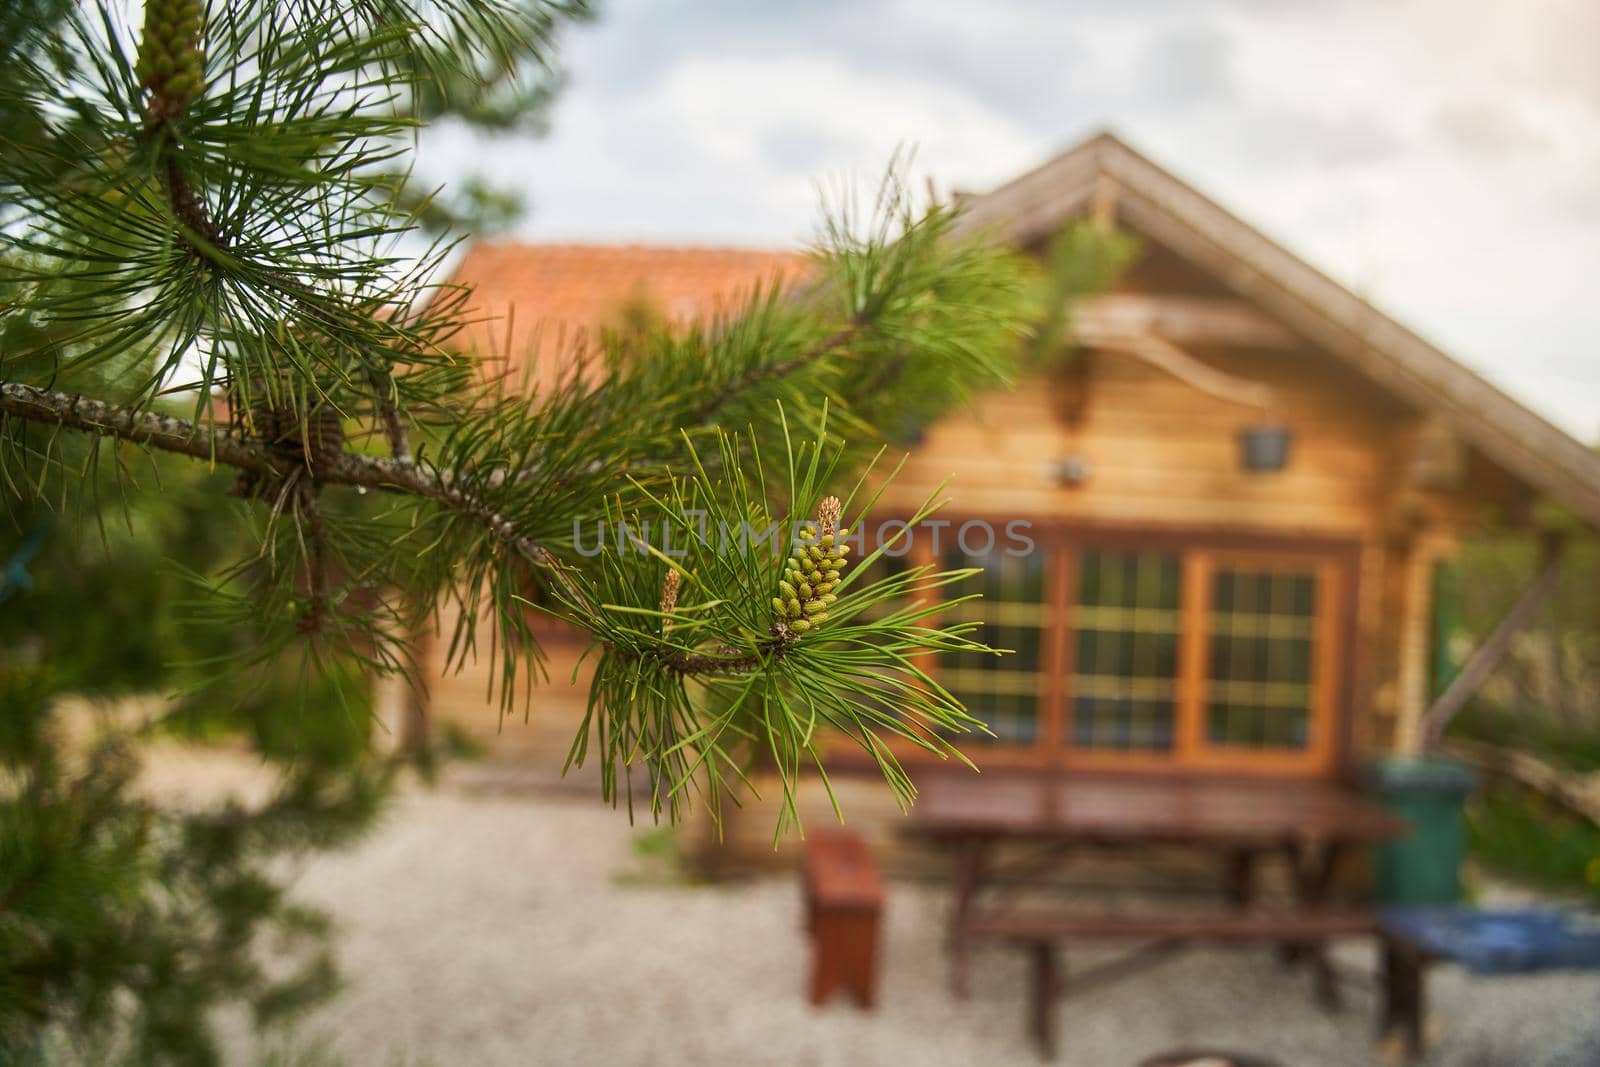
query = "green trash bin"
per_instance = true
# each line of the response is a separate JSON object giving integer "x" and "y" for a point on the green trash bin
{"x": 1424, "y": 866}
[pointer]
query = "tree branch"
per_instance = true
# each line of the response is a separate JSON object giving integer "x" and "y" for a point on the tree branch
{"x": 394, "y": 428}
{"x": 171, "y": 434}
{"x": 726, "y": 660}
{"x": 740, "y": 386}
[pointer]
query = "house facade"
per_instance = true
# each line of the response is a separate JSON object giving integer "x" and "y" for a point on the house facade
{"x": 1234, "y": 495}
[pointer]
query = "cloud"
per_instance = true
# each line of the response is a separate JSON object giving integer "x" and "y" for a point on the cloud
{"x": 1190, "y": 65}
{"x": 1282, "y": 138}
{"x": 1485, "y": 127}
{"x": 786, "y": 120}
{"x": 1444, "y": 163}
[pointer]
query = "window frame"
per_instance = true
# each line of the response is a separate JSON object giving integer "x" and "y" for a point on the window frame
{"x": 1334, "y": 563}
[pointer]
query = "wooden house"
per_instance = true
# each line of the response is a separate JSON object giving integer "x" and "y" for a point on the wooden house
{"x": 1236, "y": 497}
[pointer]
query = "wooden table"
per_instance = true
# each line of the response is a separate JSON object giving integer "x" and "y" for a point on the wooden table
{"x": 1311, "y": 824}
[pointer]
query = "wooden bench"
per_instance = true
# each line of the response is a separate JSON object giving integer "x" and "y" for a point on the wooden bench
{"x": 843, "y": 913}
{"x": 1040, "y": 933}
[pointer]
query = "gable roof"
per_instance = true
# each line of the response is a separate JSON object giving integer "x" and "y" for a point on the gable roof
{"x": 535, "y": 301}
{"x": 1104, "y": 173}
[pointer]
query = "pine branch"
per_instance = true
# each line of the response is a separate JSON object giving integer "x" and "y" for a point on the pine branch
{"x": 712, "y": 663}
{"x": 171, "y": 67}
{"x": 231, "y": 448}
{"x": 765, "y": 373}
{"x": 266, "y": 180}
{"x": 394, "y": 428}
{"x": 165, "y": 432}
{"x": 316, "y": 552}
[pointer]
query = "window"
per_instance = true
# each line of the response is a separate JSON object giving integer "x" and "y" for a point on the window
{"x": 1003, "y": 691}
{"x": 1124, "y": 685}
{"x": 1162, "y": 653}
{"x": 1262, "y": 632}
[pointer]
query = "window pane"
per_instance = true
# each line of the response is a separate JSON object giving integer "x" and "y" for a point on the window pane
{"x": 1003, "y": 691}
{"x": 1262, "y": 629}
{"x": 1126, "y": 663}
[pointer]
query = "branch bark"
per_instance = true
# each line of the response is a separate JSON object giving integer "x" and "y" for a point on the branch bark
{"x": 171, "y": 434}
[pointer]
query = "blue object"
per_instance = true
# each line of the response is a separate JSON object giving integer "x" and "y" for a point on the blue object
{"x": 14, "y": 576}
{"x": 1501, "y": 941}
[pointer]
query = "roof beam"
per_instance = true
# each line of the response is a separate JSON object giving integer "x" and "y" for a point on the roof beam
{"x": 1164, "y": 355}
{"x": 1184, "y": 320}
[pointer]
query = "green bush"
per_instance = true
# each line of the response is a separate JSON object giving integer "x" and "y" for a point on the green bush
{"x": 1513, "y": 833}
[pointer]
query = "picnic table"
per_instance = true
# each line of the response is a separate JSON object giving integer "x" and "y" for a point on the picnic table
{"x": 1311, "y": 824}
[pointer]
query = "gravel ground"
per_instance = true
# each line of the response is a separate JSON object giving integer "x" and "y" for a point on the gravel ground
{"x": 485, "y": 930}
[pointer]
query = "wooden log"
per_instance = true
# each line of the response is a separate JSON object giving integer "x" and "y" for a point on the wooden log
{"x": 1439, "y": 457}
{"x": 1413, "y": 638}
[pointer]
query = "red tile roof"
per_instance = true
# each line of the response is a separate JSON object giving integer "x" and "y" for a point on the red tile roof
{"x": 538, "y": 301}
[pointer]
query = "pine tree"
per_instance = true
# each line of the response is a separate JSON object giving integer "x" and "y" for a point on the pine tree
{"x": 123, "y": 921}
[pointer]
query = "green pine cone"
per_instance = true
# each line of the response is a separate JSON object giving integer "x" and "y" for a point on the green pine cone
{"x": 812, "y": 573}
{"x": 171, "y": 61}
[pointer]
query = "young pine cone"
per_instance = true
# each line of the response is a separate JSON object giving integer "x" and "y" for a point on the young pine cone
{"x": 812, "y": 573}
{"x": 171, "y": 61}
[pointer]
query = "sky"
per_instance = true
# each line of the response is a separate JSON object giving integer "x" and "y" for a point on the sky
{"x": 1441, "y": 157}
